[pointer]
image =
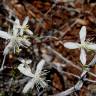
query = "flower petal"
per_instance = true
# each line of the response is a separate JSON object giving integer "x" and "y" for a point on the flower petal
{"x": 71, "y": 45}
{"x": 82, "y": 34}
{"x": 15, "y": 26}
{"x": 83, "y": 56}
{"x": 28, "y": 61}
{"x": 21, "y": 31}
{"x": 21, "y": 60}
{"x": 8, "y": 48}
{"x": 5, "y": 35}
{"x": 29, "y": 85}
{"x": 25, "y": 70}
{"x": 78, "y": 85}
{"x": 40, "y": 66}
{"x": 17, "y": 22}
{"x": 25, "y": 42}
{"x": 29, "y": 32}
{"x": 92, "y": 46}
{"x": 25, "y": 21}
{"x": 43, "y": 83}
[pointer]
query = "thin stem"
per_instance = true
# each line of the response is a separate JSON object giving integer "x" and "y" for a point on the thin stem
{"x": 70, "y": 62}
{"x": 79, "y": 84}
{"x": 2, "y": 66}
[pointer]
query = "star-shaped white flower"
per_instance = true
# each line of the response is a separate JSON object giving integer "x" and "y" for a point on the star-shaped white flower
{"x": 37, "y": 77}
{"x": 14, "y": 42}
{"x": 24, "y": 27}
{"x": 83, "y": 45}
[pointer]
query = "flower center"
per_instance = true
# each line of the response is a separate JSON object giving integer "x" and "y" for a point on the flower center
{"x": 14, "y": 38}
{"x": 37, "y": 76}
{"x": 26, "y": 27}
{"x": 85, "y": 45}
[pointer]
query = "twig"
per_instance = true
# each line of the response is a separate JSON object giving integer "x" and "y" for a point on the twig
{"x": 65, "y": 93}
{"x": 79, "y": 84}
{"x": 71, "y": 74}
{"x": 60, "y": 56}
{"x": 68, "y": 61}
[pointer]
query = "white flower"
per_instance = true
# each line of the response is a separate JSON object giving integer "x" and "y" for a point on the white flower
{"x": 15, "y": 41}
{"x": 23, "y": 27}
{"x": 83, "y": 45}
{"x": 37, "y": 77}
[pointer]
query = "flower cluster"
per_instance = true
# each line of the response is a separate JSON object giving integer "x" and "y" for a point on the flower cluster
{"x": 84, "y": 45}
{"x": 16, "y": 38}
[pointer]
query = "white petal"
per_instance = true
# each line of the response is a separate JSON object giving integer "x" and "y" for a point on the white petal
{"x": 82, "y": 34}
{"x": 29, "y": 85}
{"x": 92, "y": 46}
{"x": 15, "y": 32}
{"x": 20, "y": 43}
{"x": 43, "y": 83}
{"x": 5, "y": 35}
{"x": 40, "y": 66}
{"x": 79, "y": 85}
{"x": 8, "y": 48}
{"x": 25, "y": 42}
{"x": 21, "y": 31}
{"x": 71, "y": 45}
{"x": 25, "y": 21}
{"x": 17, "y": 22}
{"x": 83, "y": 56}
{"x": 15, "y": 26}
{"x": 29, "y": 32}
{"x": 21, "y": 60}
{"x": 25, "y": 70}
{"x": 28, "y": 61}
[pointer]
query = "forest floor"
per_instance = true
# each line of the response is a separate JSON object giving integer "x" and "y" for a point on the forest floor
{"x": 53, "y": 23}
